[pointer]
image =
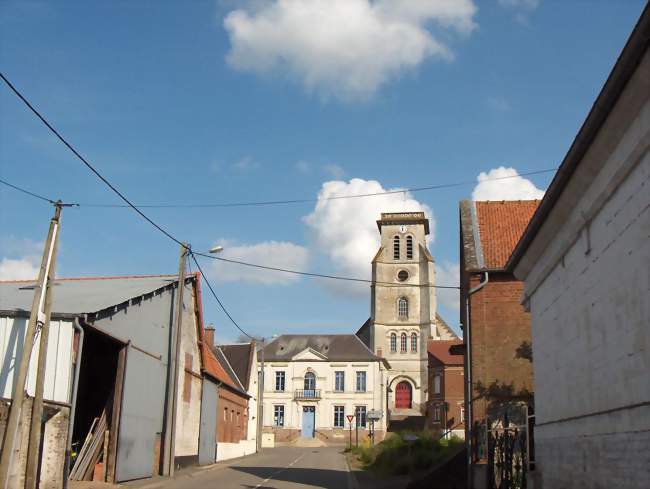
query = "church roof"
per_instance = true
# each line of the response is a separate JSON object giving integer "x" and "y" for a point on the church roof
{"x": 491, "y": 230}
{"x": 333, "y": 347}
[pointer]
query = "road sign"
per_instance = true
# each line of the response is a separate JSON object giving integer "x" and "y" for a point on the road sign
{"x": 374, "y": 415}
{"x": 350, "y": 417}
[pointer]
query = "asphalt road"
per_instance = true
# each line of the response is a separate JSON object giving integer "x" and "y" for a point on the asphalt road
{"x": 275, "y": 468}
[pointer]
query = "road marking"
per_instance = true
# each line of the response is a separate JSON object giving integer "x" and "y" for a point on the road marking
{"x": 278, "y": 472}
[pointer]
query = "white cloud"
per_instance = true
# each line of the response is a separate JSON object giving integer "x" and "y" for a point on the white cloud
{"x": 276, "y": 254}
{"x": 345, "y": 230}
{"x": 505, "y": 184}
{"x": 21, "y": 258}
{"x": 335, "y": 171}
{"x": 521, "y": 8}
{"x": 21, "y": 269}
{"x": 448, "y": 273}
{"x": 303, "y": 166}
{"x": 342, "y": 48}
{"x": 246, "y": 164}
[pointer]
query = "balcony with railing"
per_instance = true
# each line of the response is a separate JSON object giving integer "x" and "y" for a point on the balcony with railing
{"x": 306, "y": 394}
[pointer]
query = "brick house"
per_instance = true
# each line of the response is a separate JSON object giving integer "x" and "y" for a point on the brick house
{"x": 496, "y": 326}
{"x": 446, "y": 403}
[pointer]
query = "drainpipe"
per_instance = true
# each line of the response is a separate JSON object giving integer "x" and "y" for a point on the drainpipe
{"x": 468, "y": 377}
{"x": 73, "y": 403}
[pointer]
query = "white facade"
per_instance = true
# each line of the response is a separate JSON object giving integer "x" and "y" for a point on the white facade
{"x": 58, "y": 371}
{"x": 587, "y": 284}
{"x": 290, "y": 396}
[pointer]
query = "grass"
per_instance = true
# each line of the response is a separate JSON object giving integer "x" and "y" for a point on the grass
{"x": 395, "y": 456}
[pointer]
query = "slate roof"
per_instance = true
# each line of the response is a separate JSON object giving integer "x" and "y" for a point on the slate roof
{"x": 335, "y": 347}
{"x": 223, "y": 361}
{"x": 440, "y": 350}
{"x": 83, "y": 295}
{"x": 492, "y": 229}
{"x": 216, "y": 370}
{"x": 240, "y": 357}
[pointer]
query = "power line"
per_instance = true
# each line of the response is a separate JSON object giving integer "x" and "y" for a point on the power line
{"x": 319, "y": 199}
{"x": 214, "y": 294}
{"x": 321, "y": 275}
{"x": 85, "y": 162}
{"x": 20, "y": 189}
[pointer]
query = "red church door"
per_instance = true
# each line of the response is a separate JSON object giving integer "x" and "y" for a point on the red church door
{"x": 403, "y": 395}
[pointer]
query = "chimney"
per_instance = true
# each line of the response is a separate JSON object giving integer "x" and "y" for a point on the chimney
{"x": 208, "y": 335}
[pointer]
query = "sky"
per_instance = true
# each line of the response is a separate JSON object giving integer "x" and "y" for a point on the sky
{"x": 221, "y": 101}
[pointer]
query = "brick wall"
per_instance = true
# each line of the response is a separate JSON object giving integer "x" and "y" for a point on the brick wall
{"x": 232, "y": 416}
{"x": 500, "y": 326}
{"x": 450, "y": 399}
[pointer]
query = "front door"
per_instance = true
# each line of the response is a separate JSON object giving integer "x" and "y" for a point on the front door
{"x": 403, "y": 395}
{"x": 308, "y": 421}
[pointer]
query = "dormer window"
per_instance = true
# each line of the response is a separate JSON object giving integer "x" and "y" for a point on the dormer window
{"x": 409, "y": 247}
{"x": 403, "y": 308}
{"x": 396, "y": 246}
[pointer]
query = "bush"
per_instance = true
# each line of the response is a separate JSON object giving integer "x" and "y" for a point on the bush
{"x": 395, "y": 456}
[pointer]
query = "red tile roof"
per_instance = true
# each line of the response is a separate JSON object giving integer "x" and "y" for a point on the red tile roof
{"x": 440, "y": 350}
{"x": 501, "y": 224}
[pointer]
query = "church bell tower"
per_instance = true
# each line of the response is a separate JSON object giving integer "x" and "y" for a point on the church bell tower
{"x": 403, "y": 307}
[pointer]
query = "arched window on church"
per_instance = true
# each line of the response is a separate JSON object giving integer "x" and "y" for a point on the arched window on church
{"x": 409, "y": 247}
{"x": 396, "y": 246}
{"x": 403, "y": 308}
{"x": 393, "y": 343}
{"x": 403, "y": 344}
{"x": 414, "y": 342}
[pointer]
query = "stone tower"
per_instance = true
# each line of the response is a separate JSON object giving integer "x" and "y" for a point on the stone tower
{"x": 403, "y": 308}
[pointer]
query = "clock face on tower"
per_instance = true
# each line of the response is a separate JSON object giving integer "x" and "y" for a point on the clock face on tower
{"x": 402, "y": 228}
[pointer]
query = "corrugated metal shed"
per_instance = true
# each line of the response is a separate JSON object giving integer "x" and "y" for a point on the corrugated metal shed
{"x": 82, "y": 295}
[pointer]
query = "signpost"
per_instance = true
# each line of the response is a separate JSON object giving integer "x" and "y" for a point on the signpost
{"x": 350, "y": 419}
{"x": 373, "y": 415}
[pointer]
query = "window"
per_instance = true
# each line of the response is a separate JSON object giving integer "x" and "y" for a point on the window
{"x": 436, "y": 384}
{"x": 436, "y": 413}
{"x": 278, "y": 415}
{"x": 225, "y": 414}
{"x": 403, "y": 308}
{"x": 402, "y": 275}
{"x": 414, "y": 342}
{"x": 403, "y": 343}
{"x": 339, "y": 416}
{"x": 396, "y": 248}
{"x": 339, "y": 381}
{"x": 360, "y": 413}
{"x": 279, "y": 381}
{"x": 361, "y": 382}
{"x": 310, "y": 381}
{"x": 393, "y": 343}
{"x": 462, "y": 413}
{"x": 409, "y": 247}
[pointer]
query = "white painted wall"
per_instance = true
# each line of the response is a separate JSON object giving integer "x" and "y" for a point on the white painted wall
{"x": 324, "y": 371}
{"x": 589, "y": 295}
{"x": 252, "y": 402}
{"x": 58, "y": 368}
{"x": 226, "y": 451}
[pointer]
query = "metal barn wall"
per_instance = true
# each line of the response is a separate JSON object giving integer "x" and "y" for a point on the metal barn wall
{"x": 58, "y": 371}
{"x": 208, "y": 429}
{"x": 146, "y": 324}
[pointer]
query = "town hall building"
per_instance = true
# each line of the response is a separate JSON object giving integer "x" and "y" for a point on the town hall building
{"x": 312, "y": 382}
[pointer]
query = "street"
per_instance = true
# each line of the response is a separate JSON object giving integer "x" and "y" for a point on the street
{"x": 277, "y": 468}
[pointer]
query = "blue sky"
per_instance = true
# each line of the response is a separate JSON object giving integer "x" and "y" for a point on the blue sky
{"x": 200, "y": 102}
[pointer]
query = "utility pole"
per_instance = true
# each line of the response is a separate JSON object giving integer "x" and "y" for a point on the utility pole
{"x": 172, "y": 379}
{"x": 37, "y": 319}
{"x": 33, "y": 451}
{"x": 260, "y": 401}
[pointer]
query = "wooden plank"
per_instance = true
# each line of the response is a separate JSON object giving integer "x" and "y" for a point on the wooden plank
{"x": 105, "y": 455}
{"x": 115, "y": 415}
